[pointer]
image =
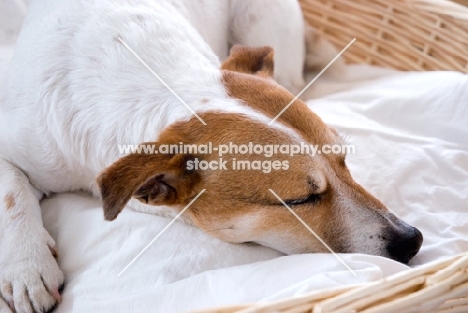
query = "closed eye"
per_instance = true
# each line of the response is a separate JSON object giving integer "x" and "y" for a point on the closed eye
{"x": 311, "y": 199}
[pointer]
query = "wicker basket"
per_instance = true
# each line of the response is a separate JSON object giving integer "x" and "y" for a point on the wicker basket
{"x": 401, "y": 34}
{"x": 413, "y": 35}
{"x": 440, "y": 287}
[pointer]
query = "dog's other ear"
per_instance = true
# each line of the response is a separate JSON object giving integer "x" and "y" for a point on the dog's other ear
{"x": 257, "y": 61}
{"x": 157, "y": 179}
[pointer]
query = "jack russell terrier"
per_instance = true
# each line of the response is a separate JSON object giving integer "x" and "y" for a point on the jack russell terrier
{"x": 74, "y": 92}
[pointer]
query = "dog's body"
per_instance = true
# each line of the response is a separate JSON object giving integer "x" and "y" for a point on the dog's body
{"x": 77, "y": 38}
{"x": 75, "y": 92}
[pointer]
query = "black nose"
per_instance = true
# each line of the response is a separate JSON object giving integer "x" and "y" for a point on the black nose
{"x": 404, "y": 244}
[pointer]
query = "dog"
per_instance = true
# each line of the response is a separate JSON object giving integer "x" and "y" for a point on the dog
{"x": 75, "y": 92}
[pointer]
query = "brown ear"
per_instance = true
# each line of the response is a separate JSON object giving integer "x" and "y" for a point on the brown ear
{"x": 157, "y": 179}
{"x": 257, "y": 61}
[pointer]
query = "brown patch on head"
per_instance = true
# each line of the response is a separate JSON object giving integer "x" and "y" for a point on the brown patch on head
{"x": 258, "y": 61}
{"x": 9, "y": 201}
{"x": 238, "y": 206}
{"x": 269, "y": 98}
{"x": 204, "y": 100}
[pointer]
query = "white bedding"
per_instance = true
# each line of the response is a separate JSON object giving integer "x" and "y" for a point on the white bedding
{"x": 411, "y": 136}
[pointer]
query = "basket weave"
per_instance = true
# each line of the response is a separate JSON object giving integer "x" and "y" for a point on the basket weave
{"x": 440, "y": 287}
{"x": 401, "y": 34}
{"x": 406, "y": 35}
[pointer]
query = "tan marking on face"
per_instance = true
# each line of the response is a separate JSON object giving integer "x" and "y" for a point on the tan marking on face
{"x": 232, "y": 196}
{"x": 9, "y": 201}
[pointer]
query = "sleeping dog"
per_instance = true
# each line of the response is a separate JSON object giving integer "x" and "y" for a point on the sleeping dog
{"x": 75, "y": 92}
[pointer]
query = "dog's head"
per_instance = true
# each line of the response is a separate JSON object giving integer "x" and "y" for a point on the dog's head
{"x": 248, "y": 193}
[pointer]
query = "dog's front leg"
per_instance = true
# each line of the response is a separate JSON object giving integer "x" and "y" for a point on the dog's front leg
{"x": 278, "y": 24}
{"x": 30, "y": 278}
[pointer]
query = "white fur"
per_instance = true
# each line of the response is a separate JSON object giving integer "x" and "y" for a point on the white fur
{"x": 74, "y": 92}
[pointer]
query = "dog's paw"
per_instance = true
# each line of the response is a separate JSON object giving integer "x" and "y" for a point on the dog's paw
{"x": 30, "y": 279}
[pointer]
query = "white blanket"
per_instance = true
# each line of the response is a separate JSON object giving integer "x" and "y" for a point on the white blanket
{"x": 411, "y": 136}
